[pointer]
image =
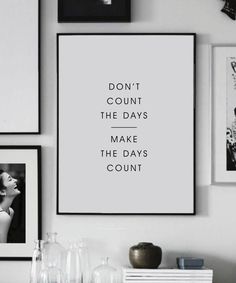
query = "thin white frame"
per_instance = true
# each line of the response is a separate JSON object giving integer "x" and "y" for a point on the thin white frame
{"x": 219, "y": 173}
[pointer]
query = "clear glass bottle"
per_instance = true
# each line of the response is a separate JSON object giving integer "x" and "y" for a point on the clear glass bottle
{"x": 73, "y": 270}
{"x": 53, "y": 252}
{"x": 105, "y": 273}
{"x": 37, "y": 262}
{"x": 85, "y": 263}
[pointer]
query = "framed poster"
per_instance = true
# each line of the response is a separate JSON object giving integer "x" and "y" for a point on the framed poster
{"x": 20, "y": 201}
{"x": 94, "y": 11}
{"x": 19, "y": 68}
{"x": 126, "y": 123}
{"x": 224, "y": 114}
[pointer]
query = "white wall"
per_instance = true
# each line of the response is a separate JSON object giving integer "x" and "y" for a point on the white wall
{"x": 212, "y": 233}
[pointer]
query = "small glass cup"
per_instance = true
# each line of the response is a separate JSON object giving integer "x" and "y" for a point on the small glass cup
{"x": 105, "y": 273}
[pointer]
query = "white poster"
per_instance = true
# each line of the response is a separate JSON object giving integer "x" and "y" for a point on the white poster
{"x": 19, "y": 67}
{"x": 126, "y": 124}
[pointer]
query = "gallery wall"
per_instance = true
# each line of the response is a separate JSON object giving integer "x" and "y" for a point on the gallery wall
{"x": 212, "y": 232}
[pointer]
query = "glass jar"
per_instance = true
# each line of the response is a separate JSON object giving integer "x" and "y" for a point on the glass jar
{"x": 37, "y": 262}
{"x": 105, "y": 273}
{"x": 53, "y": 252}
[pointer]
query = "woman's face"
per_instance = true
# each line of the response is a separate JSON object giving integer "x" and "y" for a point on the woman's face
{"x": 10, "y": 185}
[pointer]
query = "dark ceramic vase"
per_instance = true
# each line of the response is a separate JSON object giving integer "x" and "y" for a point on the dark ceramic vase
{"x": 145, "y": 255}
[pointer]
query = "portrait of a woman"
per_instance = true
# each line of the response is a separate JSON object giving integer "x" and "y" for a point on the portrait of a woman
{"x": 8, "y": 192}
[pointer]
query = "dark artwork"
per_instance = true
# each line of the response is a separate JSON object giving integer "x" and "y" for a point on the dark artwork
{"x": 17, "y": 229}
{"x": 230, "y": 8}
{"x": 231, "y": 150}
{"x": 93, "y": 10}
{"x": 231, "y": 113}
{"x": 16, "y": 233}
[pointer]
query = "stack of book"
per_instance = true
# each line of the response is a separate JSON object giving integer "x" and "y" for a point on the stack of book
{"x": 132, "y": 275}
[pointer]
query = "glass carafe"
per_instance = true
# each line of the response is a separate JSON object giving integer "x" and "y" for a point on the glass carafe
{"x": 105, "y": 273}
{"x": 53, "y": 252}
{"x": 37, "y": 262}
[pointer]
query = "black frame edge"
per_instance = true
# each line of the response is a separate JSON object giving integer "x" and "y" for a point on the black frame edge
{"x": 93, "y": 19}
{"x": 57, "y": 142}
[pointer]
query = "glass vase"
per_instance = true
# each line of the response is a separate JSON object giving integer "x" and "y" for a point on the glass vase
{"x": 53, "y": 252}
{"x": 105, "y": 273}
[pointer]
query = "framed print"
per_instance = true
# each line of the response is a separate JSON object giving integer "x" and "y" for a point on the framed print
{"x": 19, "y": 68}
{"x": 224, "y": 114}
{"x": 126, "y": 124}
{"x": 94, "y": 11}
{"x": 20, "y": 201}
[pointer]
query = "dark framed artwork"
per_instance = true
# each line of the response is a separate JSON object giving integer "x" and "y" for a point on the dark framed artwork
{"x": 126, "y": 124}
{"x": 20, "y": 201}
{"x": 20, "y": 67}
{"x": 94, "y": 11}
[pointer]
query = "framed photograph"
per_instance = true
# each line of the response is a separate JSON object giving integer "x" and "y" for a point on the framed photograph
{"x": 126, "y": 124}
{"x": 224, "y": 114}
{"x": 20, "y": 201}
{"x": 20, "y": 68}
{"x": 94, "y": 11}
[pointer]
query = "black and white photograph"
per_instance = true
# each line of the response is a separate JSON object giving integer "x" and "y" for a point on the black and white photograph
{"x": 20, "y": 200}
{"x": 231, "y": 113}
{"x": 223, "y": 114}
{"x": 12, "y": 203}
{"x": 94, "y": 11}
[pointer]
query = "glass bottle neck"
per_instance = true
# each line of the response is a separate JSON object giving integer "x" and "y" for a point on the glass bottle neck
{"x": 52, "y": 237}
{"x": 39, "y": 244}
{"x": 105, "y": 260}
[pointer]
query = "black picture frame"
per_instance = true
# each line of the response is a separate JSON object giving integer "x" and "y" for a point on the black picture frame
{"x": 193, "y": 210}
{"x": 70, "y": 11}
{"x": 31, "y": 157}
{"x": 37, "y": 125}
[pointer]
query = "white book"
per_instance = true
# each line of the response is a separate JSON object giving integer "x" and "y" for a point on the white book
{"x": 130, "y": 278}
{"x": 150, "y": 272}
{"x": 132, "y": 275}
{"x": 150, "y": 279}
{"x": 170, "y": 278}
{"x": 191, "y": 280}
{"x": 183, "y": 281}
{"x": 144, "y": 280}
